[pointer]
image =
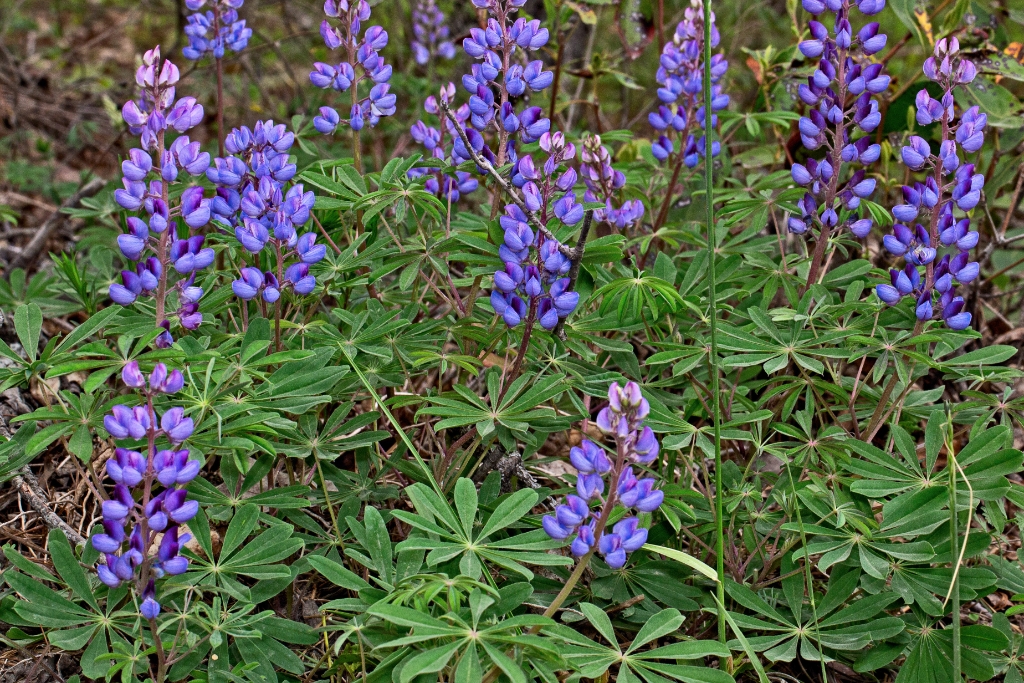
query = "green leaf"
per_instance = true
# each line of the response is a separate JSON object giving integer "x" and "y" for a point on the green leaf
{"x": 404, "y": 616}
{"x": 28, "y": 323}
{"x": 336, "y": 573}
{"x": 600, "y": 621}
{"x": 988, "y": 355}
{"x": 469, "y": 670}
{"x": 985, "y": 638}
{"x": 509, "y": 511}
{"x": 378, "y": 543}
{"x": 239, "y": 529}
{"x": 466, "y": 504}
{"x": 681, "y": 557}
{"x": 66, "y": 564}
{"x": 664, "y": 622}
{"x": 427, "y": 662}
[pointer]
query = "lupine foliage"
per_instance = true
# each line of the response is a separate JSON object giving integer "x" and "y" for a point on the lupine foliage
{"x": 433, "y": 401}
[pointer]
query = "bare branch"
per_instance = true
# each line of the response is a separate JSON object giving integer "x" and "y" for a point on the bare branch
{"x": 29, "y": 487}
{"x": 574, "y": 269}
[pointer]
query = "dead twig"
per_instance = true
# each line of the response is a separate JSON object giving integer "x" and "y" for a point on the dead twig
{"x": 30, "y": 489}
{"x": 32, "y": 250}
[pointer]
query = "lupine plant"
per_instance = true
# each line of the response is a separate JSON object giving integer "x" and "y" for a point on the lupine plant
{"x": 498, "y": 84}
{"x": 667, "y": 342}
{"x": 533, "y": 285}
{"x": 635, "y": 444}
{"x": 843, "y": 112}
{"x": 438, "y": 143}
{"x": 681, "y": 96}
{"x": 951, "y": 190}
{"x": 431, "y": 33}
{"x": 154, "y": 242}
{"x": 604, "y": 183}
{"x": 252, "y": 199}
{"x": 216, "y": 32}
{"x": 361, "y": 50}
{"x": 155, "y": 519}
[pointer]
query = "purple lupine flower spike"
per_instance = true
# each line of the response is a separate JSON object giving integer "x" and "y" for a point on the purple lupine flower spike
{"x": 635, "y": 443}
{"x": 841, "y": 111}
{"x": 362, "y": 53}
{"x": 256, "y": 199}
{"x": 154, "y": 512}
{"x": 216, "y": 31}
{"x": 151, "y": 116}
{"x": 679, "y": 76}
{"x": 431, "y": 35}
{"x": 603, "y": 183}
{"x": 951, "y": 188}
{"x": 534, "y": 263}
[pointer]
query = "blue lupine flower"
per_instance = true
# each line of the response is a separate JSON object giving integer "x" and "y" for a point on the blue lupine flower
{"x": 431, "y": 36}
{"x": 363, "y": 52}
{"x": 830, "y": 122}
{"x": 917, "y": 246}
{"x": 253, "y": 199}
{"x": 163, "y": 512}
{"x": 150, "y": 117}
{"x": 538, "y": 282}
{"x": 215, "y": 31}
{"x": 623, "y": 420}
{"x": 680, "y": 73}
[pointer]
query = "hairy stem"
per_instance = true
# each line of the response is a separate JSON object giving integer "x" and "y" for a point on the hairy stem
{"x": 833, "y": 187}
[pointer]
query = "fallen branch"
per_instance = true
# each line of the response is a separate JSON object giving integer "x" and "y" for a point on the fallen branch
{"x": 29, "y": 487}
{"x": 32, "y": 250}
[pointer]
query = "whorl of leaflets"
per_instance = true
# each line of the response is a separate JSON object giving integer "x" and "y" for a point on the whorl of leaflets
{"x": 942, "y": 202}
{"x": 533, "y": 284}
{"x": 153, "y": 241}
{"x": 147, "y": 469}
{"x": 500, "y": 80}
{"x": 361, "y": 52}
{"x": 840, "y": 93}
{"x": 215, "y": 31}
{"x": 254, "y": 201}
{"x": 604, "y": 183}
{"x": 438, "y": 144}
{"x": 635, "y": 443}
{"x": 680, "y": 77}
{"x": 431, "y": 36}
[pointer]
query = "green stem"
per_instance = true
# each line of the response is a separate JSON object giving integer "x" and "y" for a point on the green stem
{"x": 804, "y": 561}
{"x": 716, "y": 399}
{"x": 954, "y": 543}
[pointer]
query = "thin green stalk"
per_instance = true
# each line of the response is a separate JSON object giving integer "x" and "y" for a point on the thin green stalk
{"x": 398, "y": 427}
{"x": 807, "y": 568}
{"x": 716, "y": 399}
{"x": 954, "y": 541}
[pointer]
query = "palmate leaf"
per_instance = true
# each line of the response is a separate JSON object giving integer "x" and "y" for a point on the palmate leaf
{"x": 102, "y": 622}
{"x": 632, "y": 296}
{"x": 457, "y": 641}
{"x": 522, "y": 409}
{"x": 929, "y": 655}
{"x": 455, "y": 535}
{"x": 850, "y": 628}
{"x": 258, "y": 558}
{"x": 593, "y": 660}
